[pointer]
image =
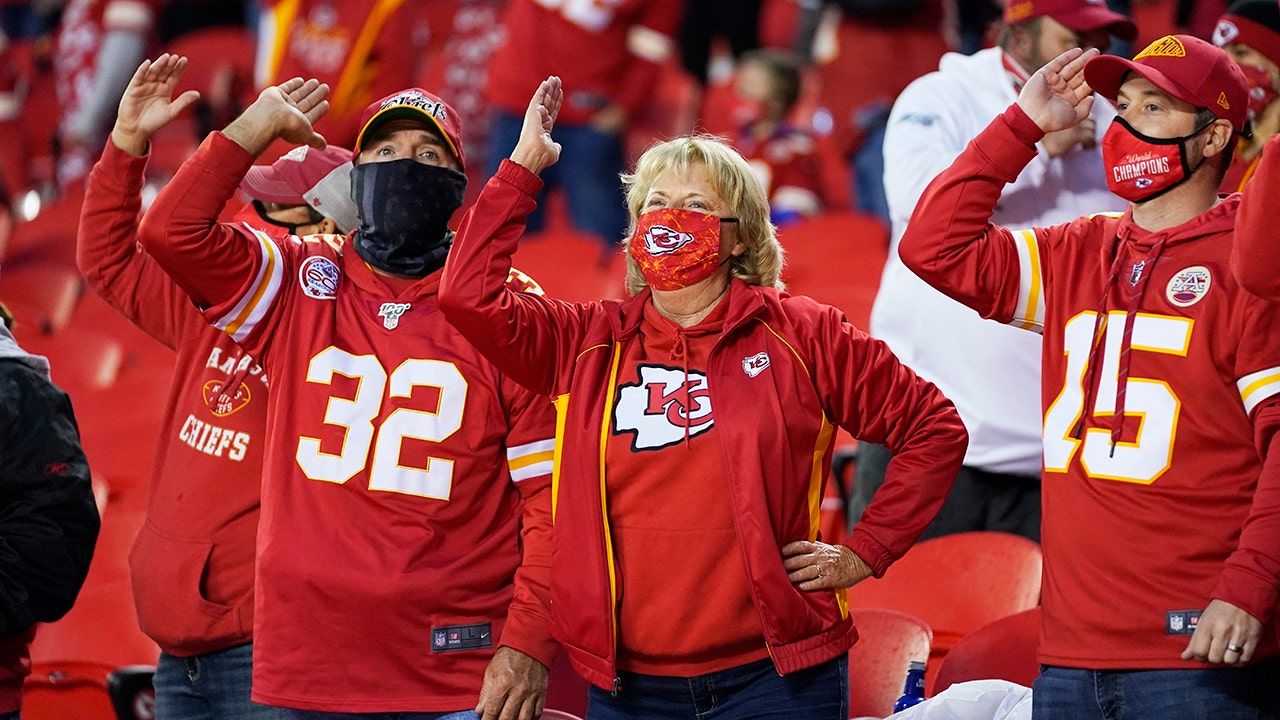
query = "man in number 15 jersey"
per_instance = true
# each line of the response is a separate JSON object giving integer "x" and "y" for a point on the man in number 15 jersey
{"x": 405, "y": 474}
{"x": 1161, "y": 387}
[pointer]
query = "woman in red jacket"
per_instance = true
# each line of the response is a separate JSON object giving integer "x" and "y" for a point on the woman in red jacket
{"x": 695, "y": 438}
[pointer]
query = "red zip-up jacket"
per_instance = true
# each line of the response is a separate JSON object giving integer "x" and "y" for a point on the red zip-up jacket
{"x": 192, "y": 562}
{"x": 1162, "y": 458}
{"x": 785, "y": 372}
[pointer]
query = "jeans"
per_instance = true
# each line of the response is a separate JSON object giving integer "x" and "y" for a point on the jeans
{"x": 753, "y": 691}
{"x": 1227, "y": 693}
{"x": 212, "y": 686}
{"x": 587, "y": 171}
{"x": 318, "y": 715}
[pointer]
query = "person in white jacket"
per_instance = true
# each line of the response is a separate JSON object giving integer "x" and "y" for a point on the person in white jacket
{"x": 990, "y": 371}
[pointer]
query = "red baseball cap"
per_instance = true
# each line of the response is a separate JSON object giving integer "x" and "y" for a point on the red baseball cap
{"x": 1078, "y": 15}
{"x": 1181, "y": 66}
{"x": 416, "y": 104}
{"x": 307, "y": 176}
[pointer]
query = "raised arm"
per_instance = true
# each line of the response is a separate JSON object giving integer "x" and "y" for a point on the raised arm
{"x": 518, "y": 332}
{"x": 213, "y": 262}
{"x": 107, "y": 249}
{"x": 950, "y": 242}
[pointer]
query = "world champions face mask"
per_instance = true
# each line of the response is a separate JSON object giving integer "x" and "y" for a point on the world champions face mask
{"x": 676, "y": 248}
{"x": 1140, "y": 167}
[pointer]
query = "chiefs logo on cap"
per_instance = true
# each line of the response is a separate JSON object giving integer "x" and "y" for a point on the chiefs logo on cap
{"x": 1225, "y": 32}
{"x": 662, "y": 240}
{"x": 413, "y": 98}
{"x": 1167, "y": 46}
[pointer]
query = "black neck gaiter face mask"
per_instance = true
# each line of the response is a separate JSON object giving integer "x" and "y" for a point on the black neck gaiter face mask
{"x": 405, "y": 208}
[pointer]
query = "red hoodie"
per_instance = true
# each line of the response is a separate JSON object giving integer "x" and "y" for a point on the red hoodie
{"x": 192, "y": 563}
{"x": 783, "y": 374}
{"x": 1167, "y": 493}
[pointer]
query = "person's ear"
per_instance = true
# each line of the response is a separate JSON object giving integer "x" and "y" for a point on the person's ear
{"x": 326, "y": 226}
{"x": 1218, "y": 138}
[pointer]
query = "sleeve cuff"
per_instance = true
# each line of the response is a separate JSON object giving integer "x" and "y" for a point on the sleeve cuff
{"x": 530, "y": 634}
{"x": 519, "y": 176}
{"x": 872, "y": 553}
{"x": 129, "y": 169}
{"x": 1247, "y": 591}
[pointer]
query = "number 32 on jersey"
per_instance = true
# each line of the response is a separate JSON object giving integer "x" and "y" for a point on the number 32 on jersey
{"x": 1148, "y": 456}
{"x": 356, "y": 416}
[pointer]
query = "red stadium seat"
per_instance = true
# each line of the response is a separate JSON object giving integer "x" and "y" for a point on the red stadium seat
{"x": 49, "y": 237}
{"x": 40, "y": 296}
{"x": 958, "y": 583}
{"x": 571, "y": 266}
{"x": 80, "y": 361}
{"x": 1001, "y": 650}
{"x": 887, "y": 641}
{"x": 63, "y": 690}
{"x": 837, "y": 258}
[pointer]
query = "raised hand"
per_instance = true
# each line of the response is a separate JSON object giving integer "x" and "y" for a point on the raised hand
{"x": 536, "y": 149}
{"x": 287, "y": 111}
{"x": 148, "y": 103}
{"x": 1057, "y": 97}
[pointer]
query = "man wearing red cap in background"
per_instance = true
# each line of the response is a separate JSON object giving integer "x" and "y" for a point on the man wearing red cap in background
{"x": 192, "y": 563}
{"x": 405, "y": 474}
{"x": 1161, "y": 387}
{"x": 1250, "y": 33}
{"x": 991, "y": 373}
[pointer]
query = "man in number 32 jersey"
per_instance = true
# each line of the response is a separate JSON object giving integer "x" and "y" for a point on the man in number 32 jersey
{"x": 405, "y": 474}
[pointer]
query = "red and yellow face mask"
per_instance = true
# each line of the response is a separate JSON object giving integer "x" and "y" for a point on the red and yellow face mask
{"x": 676, "y": 248}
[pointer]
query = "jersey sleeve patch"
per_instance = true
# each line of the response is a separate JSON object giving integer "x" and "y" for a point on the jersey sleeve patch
{"x": 241, "y": 319}
{"x": 1029, "y": 314}
{"x": 1256, "y": 387}
{"x": 531, "y": 459}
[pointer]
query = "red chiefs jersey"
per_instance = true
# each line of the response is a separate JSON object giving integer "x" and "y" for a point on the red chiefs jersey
{"x": 605, "y": 51}
{"x": 400, "y": 465}
{"x": 364, "y": 50}
{"x": 1137, "y": 539}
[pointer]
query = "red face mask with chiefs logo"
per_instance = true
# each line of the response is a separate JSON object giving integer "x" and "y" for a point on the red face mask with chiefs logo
{"x": 1140, "y": 167}
{"x": 1261, "y": 91}
{"x": 676, "y": 248}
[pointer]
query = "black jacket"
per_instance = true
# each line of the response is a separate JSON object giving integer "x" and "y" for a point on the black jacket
{"x": 48, "y": 518}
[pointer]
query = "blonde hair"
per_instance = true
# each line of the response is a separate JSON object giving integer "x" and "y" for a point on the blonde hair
{"x": 734, "y": 181}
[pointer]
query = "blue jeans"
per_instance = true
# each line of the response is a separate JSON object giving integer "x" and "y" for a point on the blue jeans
{"x": 1247, "y": 693}
{"x": 212, "y": 686}
{"x": 754, "y": 691}
{"x": 588, "y": 171}
{"x": 316, "y": 715}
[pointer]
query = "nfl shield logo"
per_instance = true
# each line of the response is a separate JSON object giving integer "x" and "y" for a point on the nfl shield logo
{"x": 391, "y": 312}
{"x": 1175, "y": 623}
{"x": 438, "y": 640}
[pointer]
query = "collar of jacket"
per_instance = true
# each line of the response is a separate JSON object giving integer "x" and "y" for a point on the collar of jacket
{"x": 745, "y": 302}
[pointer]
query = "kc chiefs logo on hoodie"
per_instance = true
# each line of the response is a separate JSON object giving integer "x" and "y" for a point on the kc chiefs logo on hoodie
{"x": 664, "y": 408}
